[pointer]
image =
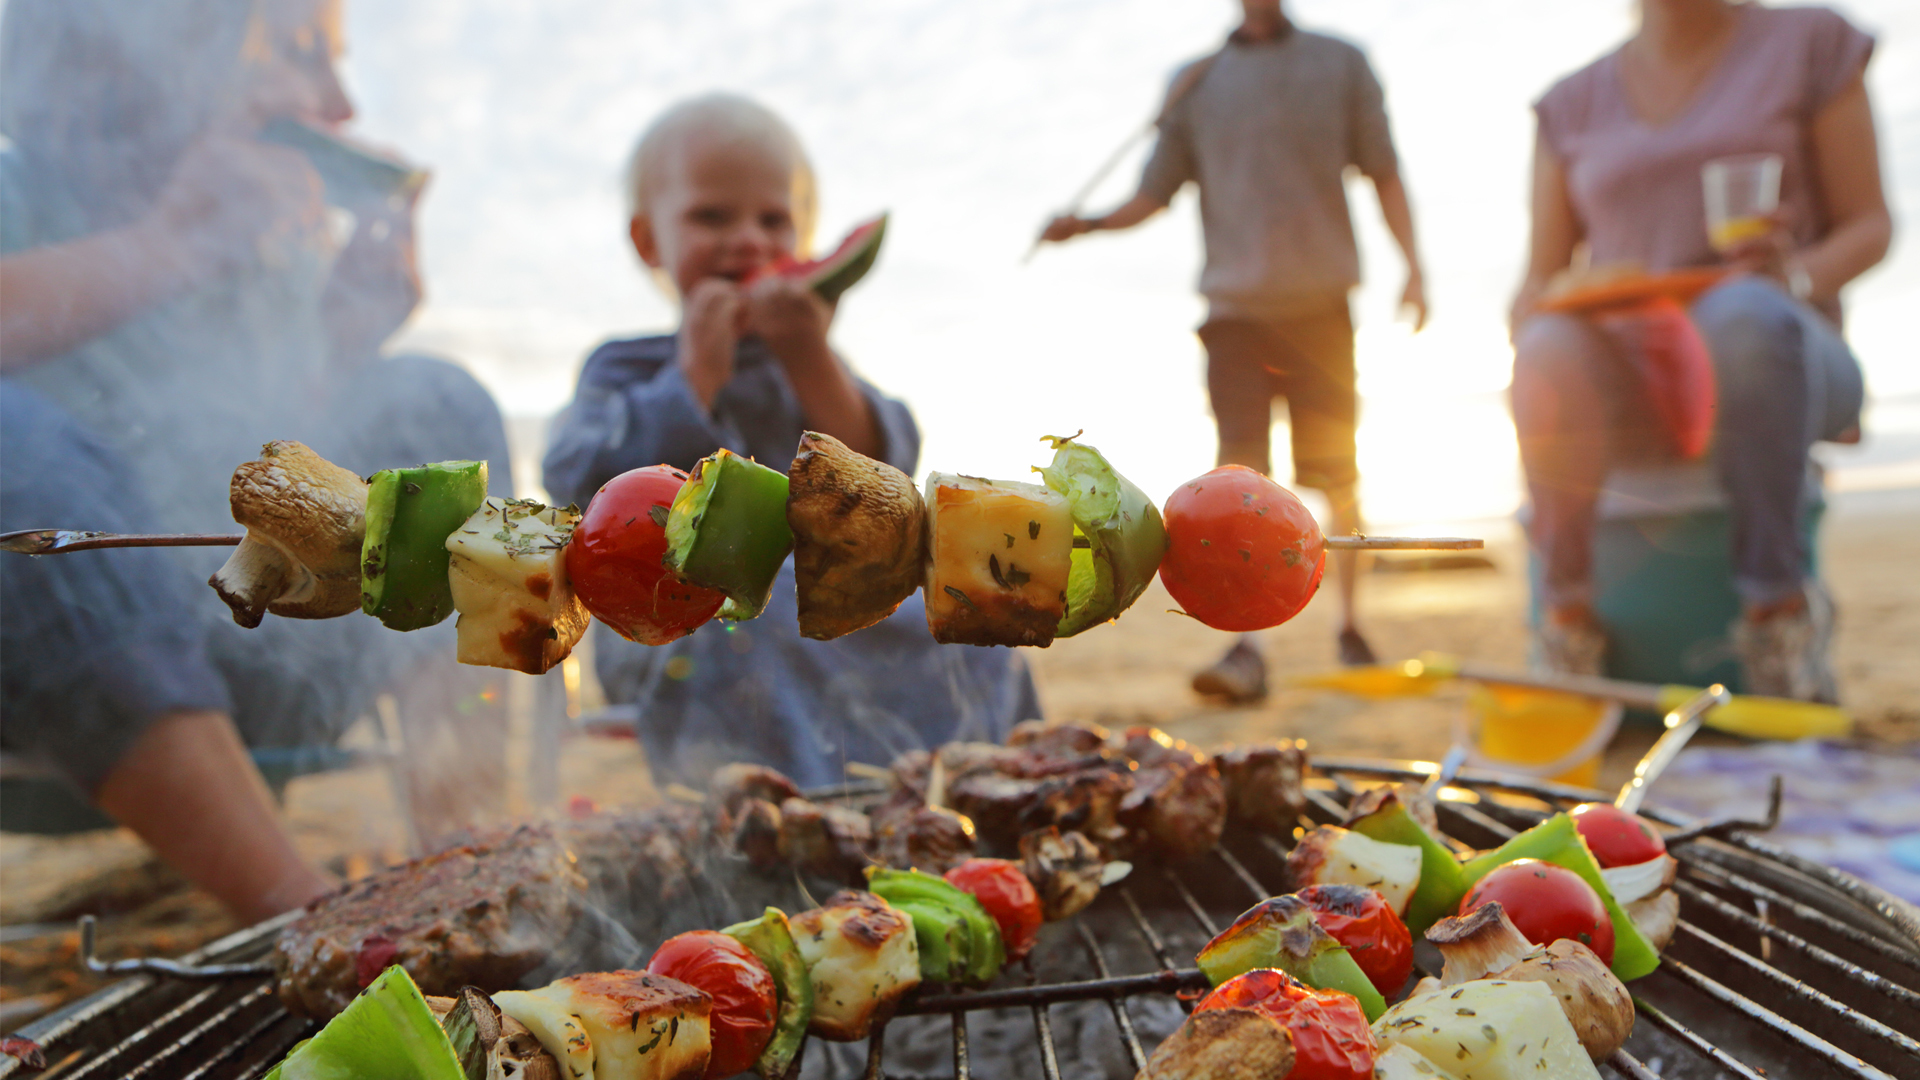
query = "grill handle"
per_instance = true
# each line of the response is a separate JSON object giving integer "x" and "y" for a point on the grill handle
{"x": 1681, "y": 725}
{"x": 89, "y": 932}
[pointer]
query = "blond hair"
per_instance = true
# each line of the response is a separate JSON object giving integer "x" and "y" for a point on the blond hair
{"x": 734, "y": 120}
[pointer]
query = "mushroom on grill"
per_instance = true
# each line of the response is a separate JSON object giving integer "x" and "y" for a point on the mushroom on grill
{"x": 306, "y": 519}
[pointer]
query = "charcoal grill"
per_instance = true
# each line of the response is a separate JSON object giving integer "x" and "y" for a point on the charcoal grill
{"x": 1781, "y": 968}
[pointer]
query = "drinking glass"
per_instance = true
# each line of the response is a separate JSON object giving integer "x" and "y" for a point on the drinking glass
{"x": 1742, "y": 192}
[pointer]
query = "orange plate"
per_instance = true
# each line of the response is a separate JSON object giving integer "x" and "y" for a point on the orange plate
{"x": 1681, "y": 285}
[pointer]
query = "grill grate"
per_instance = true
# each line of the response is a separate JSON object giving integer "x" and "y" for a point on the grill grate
{"x": 1780, "y": 967}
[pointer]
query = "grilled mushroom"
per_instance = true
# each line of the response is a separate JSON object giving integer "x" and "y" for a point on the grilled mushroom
{"x": 859, "y": 537}
{"x": 1484, "y": 943}
{"x": 306, "y": 519}
{"x": 1223, "y": 1044}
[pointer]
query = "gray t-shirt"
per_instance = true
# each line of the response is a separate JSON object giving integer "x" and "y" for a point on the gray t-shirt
{"x": 1268, "y": 133}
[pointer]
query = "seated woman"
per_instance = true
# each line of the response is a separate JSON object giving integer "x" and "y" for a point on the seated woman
{"x": 174, "y": 297}
{"x": 1617, "y": 168}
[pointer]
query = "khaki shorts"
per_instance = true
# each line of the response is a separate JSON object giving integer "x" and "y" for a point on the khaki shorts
{"x": 1308, "y": 360}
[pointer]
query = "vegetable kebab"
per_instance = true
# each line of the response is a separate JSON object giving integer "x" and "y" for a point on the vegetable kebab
{"x": 659, "y": 552}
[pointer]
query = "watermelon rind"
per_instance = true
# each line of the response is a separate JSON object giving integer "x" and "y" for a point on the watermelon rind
{"x": 840, "y": 271}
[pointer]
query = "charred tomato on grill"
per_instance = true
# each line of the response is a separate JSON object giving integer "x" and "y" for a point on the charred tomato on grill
{"x": 1003, "y": 889}
{"x": 1360, "y": 919}
{"x": 745, "y": 1006}
{"x": 1331, "y": 1039}
{"x": 1546, "y": 903}
{"x": 1242, "y": 552}
{"x": 615, "y": 560}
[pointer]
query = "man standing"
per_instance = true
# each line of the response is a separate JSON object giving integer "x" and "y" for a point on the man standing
{"x": 1267, "y": 128}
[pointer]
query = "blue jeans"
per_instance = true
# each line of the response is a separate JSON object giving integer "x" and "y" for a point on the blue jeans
{"x": 1785, "y": 380}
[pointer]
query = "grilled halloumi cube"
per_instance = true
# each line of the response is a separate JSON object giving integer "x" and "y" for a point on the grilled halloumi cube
{"x": 999, "y": 554}
{"x": 860, "y": 951}
{"x": 1489, "y": 1029}
{"x": 509, "y": 580}
{"x": 636, "y": 1026}
{"x": 560, "y": 1032}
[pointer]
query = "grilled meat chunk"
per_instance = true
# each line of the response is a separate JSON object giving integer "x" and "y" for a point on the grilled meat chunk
{"x": 1266, "y": 784}
{"x": 733, "y": 784}
{"x": 1067, "y": 740}
{"x": 910, "y": 834}
{"x": 1177, "y": 805}
{"x": 863, "y": 958}
{"x": 825, "y": 839}
{"x": 483, "y": 914}
{"x": 1065, "y": 869}
{"x": 635, "y": 859}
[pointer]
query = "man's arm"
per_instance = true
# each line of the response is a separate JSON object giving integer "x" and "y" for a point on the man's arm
{"x": 1399, "y": 215}
{"x": 1126, "y": 216}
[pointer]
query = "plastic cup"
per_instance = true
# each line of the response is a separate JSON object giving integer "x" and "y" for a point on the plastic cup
{"x": 1742, "y": 193}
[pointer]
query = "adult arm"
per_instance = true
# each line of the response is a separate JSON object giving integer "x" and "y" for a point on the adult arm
{"x": 225, "y": 196}
{"x": 1555, "y": 231}
{"x": 1399, "y": 218}
{"x": 61, "y": 296}
{"x": 1846, "y": 160}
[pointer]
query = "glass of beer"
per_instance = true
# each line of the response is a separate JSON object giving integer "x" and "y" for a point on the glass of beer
{"x": 1742, "y": 193}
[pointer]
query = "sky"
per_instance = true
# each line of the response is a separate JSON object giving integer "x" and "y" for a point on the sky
{"x": 972, "y": 123}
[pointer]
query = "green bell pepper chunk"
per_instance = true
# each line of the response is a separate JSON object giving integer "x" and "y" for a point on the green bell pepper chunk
{"x": 1555, "y": 840}
{"x": 727, "y": 530}
{"x": 1442, "y": 882}
{"x": 1125, "y": 536}
{"x": 959, "y": 942}
{"x": 403, "y": 561}
{"x": 1281, "y": 932}
{"x": 770, "y": 938}
{"x": 387, "y": 1031}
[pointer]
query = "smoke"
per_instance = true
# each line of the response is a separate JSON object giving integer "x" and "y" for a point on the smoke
{"x": 274, "y": 256}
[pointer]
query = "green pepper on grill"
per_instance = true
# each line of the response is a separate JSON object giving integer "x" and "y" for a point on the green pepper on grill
{"x": 1122, "y": 529}
{"x": 770, "y": 938}
{"x": 403, "y": 562}
{"x": 1282, "y": 933}
{"x": 727, "y": 530}
{"x": 959, "y": 942}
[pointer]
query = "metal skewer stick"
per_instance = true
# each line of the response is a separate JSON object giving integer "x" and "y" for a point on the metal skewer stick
{"x": 1086, "y": 191}
{"x": 59, "y": 541}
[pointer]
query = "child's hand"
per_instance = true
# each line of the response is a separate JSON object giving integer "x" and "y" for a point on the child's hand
{"x": 792, "y": 320}
{"x": 710, "y": 327}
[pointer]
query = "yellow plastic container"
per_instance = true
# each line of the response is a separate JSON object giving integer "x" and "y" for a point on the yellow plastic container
{"x": 1558, "y": 737}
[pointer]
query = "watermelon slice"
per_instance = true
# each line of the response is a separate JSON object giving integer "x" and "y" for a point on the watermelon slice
{"x": 833, "y": 274}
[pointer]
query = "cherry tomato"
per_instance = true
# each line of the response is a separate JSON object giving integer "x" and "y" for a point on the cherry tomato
{"x": 1547, "y": 903}
{"x": 614, "y": 562}
{"x": 744, "y": 997}
{"x": 1242, "y": 552}
{"x": 1003, "y": 889}
{"x": 1617, "y": 837}
{"x": 1365, "y": 923}
{"x": 1331, "y": 1039}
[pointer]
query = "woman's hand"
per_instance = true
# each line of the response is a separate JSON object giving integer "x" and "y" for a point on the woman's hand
{"x": 712, "y": 319}
{"x": 793, "y": 321}
{"x": 1525, "y": 302}
{"x": 233, "y": 203}
{"x": 1771, "y": 254}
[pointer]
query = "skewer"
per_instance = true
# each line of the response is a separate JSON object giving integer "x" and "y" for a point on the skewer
{"x": 59, "y": 541}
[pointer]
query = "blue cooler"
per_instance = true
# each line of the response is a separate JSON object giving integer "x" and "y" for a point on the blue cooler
{"x": 1663, "y": 580}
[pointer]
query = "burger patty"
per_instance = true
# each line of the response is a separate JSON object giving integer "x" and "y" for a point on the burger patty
{"x": 485, "y": 914}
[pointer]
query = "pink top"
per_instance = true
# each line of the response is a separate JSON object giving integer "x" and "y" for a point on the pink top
{"x": 1635, "y": 188}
